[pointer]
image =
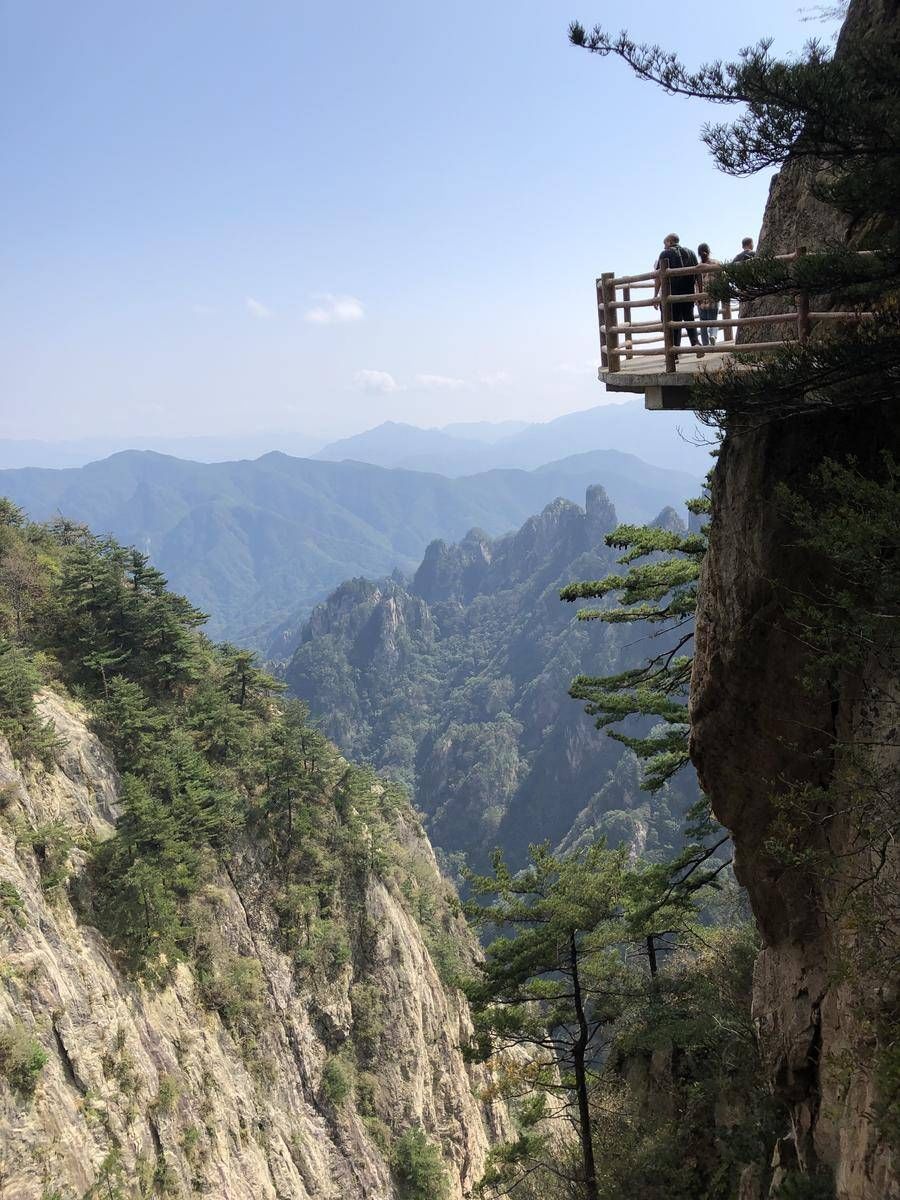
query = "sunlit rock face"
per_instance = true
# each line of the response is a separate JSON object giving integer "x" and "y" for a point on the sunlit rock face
{"x": 148, "y": 1084}
{"x": 758, "y": 730}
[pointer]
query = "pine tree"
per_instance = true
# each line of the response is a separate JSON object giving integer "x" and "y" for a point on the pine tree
{"x": 141, "y": 875}
{"x": 552, "y": 982}
{"x": 248, "y": 684}
{"x": 28, "y": 735}
{"x": 296, "y": 776}
{"x": 128, "y": 723}
{"x": 663, "y": 593}
{"x": 838, "y": 114}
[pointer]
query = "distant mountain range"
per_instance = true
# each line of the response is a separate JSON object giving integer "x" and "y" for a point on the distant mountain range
{"x": 77, "y": 452}
{"x": 484, "y": 431}
{"x": 255, "y": 543}
{"x": 460, "y": 448}
{"x": 660, "y": 438}
{"x": 455, "y": 681}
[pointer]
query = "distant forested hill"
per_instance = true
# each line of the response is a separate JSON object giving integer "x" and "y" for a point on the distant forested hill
{"x": 255, "y": 542}
{"x": 456, "y": 683}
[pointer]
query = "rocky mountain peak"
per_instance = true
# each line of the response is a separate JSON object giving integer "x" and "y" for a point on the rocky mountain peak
{"x": 669, "y": 520}
{"x": 600, "y": 511}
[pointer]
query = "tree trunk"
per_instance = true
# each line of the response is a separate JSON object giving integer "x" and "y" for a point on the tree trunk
{"x": 579, "y": 1052}
{"x": 651, "y": 955}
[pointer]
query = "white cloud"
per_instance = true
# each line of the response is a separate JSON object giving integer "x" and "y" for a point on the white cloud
{"x": 440, "y": 383}
{"x": 376, "y": 381}
{"x": 257, "y": 309}
{"x": 494, "y": 379}
{"x": 335, "y": 310}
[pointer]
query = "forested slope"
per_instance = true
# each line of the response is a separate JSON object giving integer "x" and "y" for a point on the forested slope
{"x": 456, "y": 683}
{"x": 228, "y": 957}
{"x": 255, "y": 542}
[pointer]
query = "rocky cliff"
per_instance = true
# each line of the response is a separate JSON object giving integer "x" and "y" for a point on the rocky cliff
{"x": 275, "y": 1088}
{"x": 455, "y": 682}
{"x": 764, "y": 735}
{"x": 758, "y": 731}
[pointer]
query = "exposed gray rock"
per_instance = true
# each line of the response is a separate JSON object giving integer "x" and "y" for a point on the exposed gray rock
{"x": 142, "y": 1084}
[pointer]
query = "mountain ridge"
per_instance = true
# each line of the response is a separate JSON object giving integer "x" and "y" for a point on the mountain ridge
{"x": 619, "y": 426}
{"x": 455, "y": 682}
{"x": 257, "y": 541}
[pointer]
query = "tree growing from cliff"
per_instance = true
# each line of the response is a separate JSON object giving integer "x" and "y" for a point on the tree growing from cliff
{"x": 838, "y": 117}
{"x": 418, "y": 1167}
{"x": 835, "y": 120}
{"x": 659, "y": 588}
{"x": 29, "y": 736}
{"x": 554, "y": 982}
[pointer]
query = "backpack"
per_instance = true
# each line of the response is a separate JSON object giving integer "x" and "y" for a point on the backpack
{"x": 682, "y": 284}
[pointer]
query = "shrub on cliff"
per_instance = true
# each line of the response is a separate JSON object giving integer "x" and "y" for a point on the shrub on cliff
{"x": 418, "y": 1167}
{"x": 22, "y": 1058}
{"x": 28, "y": 735}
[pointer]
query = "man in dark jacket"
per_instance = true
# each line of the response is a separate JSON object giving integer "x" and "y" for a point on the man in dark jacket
{"x": 747, "y": 251}
{"x": 676, "y": 255}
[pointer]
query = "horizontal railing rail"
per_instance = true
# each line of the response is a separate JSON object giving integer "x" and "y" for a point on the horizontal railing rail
{"x": 622, "y": 337}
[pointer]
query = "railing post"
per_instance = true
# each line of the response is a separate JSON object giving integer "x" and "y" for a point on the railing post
{"x": 629, "y": 343}
{"x": 665, "y": 292}
{"x": 803, "y": 322}
{"x": 601, "y": 315}
{"x": 610, "y": 315}
{"x": 728, "y": 331}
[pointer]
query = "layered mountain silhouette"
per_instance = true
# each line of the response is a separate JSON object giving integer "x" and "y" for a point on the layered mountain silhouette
{"x": 665, "y": 439}
{"x": 256, "y": 543}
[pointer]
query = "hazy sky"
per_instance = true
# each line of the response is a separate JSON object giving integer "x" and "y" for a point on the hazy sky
{"x": 280, "y": 214}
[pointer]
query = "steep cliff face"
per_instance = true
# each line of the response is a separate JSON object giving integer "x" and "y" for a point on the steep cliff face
{"x": 760, "y": 732}
{"x": 157, "y": 1088}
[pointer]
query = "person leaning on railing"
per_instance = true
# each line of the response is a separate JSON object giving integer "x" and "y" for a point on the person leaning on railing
{"x": 707, "y": 307}
{"x": 676, "y": 255}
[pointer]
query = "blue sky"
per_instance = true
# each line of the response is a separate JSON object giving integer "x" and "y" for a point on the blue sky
{"x": 286, "y": 215}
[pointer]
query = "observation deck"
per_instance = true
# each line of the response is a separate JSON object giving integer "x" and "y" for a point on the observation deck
{"x": 641, "y": 355}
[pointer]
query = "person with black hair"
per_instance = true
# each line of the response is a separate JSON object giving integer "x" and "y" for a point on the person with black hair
{"x": 673, "y": 254}
{"x": 747, "y": 251}
{"x": 707, "y": 308}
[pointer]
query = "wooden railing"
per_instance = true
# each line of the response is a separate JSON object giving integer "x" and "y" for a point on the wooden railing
{"x": 625, "y": 338}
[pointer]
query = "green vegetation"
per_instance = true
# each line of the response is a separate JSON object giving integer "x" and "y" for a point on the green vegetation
{"x": 11, "y": 904}
{"x": 167, "y": 1094}
{"x": 365, "y": 1004}
{"x": 418, "y": 1168}
{"x": 661, "y": 592}
{"x": 52, "y": 844}
{"x": 257, "y": 544}
{"x": 28, "y": 735}
{"x": 453, "y": 684}
{"x": 216, "y": 772}
{"x": 22, "y": 1058}
{"x": 601, "y": 968}
{"x": 338, "y": 1080}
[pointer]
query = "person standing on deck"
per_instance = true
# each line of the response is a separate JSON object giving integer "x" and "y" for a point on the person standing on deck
{"x": 747, "y": 251}
{"x": 673, "y": 254}
{"x": 707, "y": 308}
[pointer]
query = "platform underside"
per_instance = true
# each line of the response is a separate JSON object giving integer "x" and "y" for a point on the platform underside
{"x": 664, "y": 389}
